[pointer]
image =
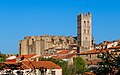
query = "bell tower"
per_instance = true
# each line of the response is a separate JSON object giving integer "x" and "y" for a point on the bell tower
{"x": 84, "y": 32}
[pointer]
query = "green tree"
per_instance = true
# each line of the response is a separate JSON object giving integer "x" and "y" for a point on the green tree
{"x": 79, "y": 65}
{"x": 110, "y": 63}
{"x": 2, "y": 58}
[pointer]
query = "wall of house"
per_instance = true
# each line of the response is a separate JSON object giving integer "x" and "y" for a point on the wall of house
{"x": 37, "y": 72}
{"x": 112, "y": 44}
{"x": 57, "y": 71}
{"x": 89, "y": 56}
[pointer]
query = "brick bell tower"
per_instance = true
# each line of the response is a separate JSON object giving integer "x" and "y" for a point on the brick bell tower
{"x": 84, "y": 32}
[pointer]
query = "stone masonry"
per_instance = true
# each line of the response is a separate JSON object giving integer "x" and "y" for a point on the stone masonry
{"x": 38, "y": 44}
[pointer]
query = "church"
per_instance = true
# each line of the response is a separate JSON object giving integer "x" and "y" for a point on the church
{"x": 41, "y": 44}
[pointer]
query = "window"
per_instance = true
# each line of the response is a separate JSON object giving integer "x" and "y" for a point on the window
{"x": 84, "y": 31}
{"x": 53, "y": 72}
{"x": 84, "y": 23}
{"x": 32, "y": 41}
{"x": 90, "y": 56}
{"x": 86, "y": 38}
{"x": 52, "y": 40}
{"x": 88, "y": 22}
{"x": 88, "y": 31}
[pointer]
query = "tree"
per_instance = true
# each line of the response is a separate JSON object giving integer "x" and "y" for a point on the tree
{"x": 79, "y": 65}
{"x": 110, "y": 63}
{"x": 2, "y": 57}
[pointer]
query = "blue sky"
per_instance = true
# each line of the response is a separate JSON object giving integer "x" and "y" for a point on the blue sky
{"x": 20, "y": 18}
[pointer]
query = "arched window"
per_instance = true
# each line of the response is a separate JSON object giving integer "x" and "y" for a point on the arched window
{"x": 84, "y": 22}
{"x": 88, "y": 31}
{"x": 86, "y": 38}
{"x": 32, "y": 41}
{"x": 87, "y": 22}
{"x": 90, "y": 56}
{"x": 84, "y": 31}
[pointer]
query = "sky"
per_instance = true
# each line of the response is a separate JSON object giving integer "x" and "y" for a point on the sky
{"x": 20, "y": 18}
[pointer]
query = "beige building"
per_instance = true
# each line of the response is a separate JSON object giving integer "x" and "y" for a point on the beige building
{"x": 39, "y": 44}
{"x": 84, "y": 32}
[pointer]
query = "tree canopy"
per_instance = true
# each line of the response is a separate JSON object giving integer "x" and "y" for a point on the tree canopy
{"x": 79, "y": 65}
{"x": 110, "y": 63}
{"x": 2, "y": 58}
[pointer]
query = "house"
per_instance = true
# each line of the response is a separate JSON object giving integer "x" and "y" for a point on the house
{"x": 17, "y": 58}
{"x": 91, "y": 57}
{"x": 65, "y": 55}
{"x": 31, "y": 68}
{"x": 26, "y": 64}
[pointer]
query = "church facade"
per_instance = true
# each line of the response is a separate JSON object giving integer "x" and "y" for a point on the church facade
{"x": 39, "y": 44}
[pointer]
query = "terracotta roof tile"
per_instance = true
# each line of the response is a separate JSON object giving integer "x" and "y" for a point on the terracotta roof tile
{"x": 10, "y": 62}
{"x": 64, "y": 56}
{"x": 67, "y": 56}
{"x": 27, "y": 56}
{"x": 64, "y": 52}
{"x": 93, "y": 52}
{"x": 35, "y": 64}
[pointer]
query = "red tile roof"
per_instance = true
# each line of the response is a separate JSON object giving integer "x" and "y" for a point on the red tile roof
{"x": 64, "y": 56}
{"x": 27, "y": 56}
{"x": 35, "y": 64}
{"x": 11, "y": 62}
{"x": 65, "y": 51}
{"x": 93, "y": 52}
{"x": 67, "y": 56}
{"x": 19, "y": 57}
